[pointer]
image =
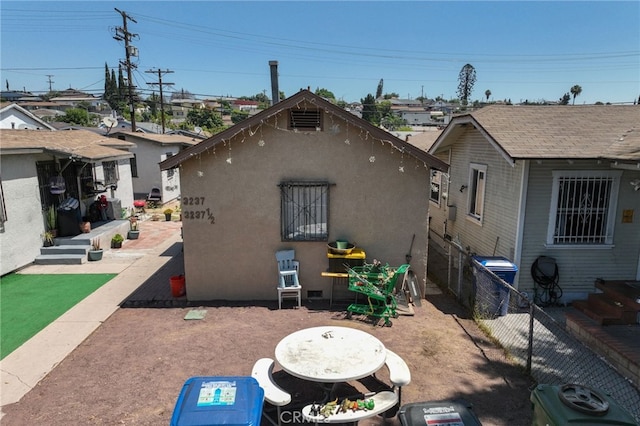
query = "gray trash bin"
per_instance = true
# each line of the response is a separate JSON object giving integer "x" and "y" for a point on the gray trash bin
{"x": 453, "y": 412}
{"x": 492, "y": 296}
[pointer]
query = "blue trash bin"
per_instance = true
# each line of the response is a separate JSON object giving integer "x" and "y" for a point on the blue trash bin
{"x": 221, "y": 400}
{"x": 492, "y": 296}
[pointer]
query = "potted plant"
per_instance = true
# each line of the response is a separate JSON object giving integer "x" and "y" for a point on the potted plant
{"x": 52, "y": 221}
{"x": 116, "y": 241}
{"x": 47, "y": 238}
{"x": 134, "y": 232}
{"x": 85, "y": 225}
{"x": 167, "y": 214}
{"x": 95, "y": 252}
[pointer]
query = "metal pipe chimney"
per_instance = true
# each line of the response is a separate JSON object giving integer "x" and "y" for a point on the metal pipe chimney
{"x": 275, "y": 94}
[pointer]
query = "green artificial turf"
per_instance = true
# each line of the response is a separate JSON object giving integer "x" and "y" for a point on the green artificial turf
{"x": 28, "y": 303}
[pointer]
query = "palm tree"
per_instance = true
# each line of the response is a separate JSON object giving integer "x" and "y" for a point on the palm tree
{"x": 487, "y": 93}
{"x": 575, "y": 91}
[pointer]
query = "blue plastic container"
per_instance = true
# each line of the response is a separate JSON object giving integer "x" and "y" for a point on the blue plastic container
{"x": 493, "y": 294}
{"x": 219, "y": 400}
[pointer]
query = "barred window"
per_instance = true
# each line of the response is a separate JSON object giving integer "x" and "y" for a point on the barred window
{"x": 583, "y": 207}
{"x": 304, "y": 211}
{"x": 110, "y": 171}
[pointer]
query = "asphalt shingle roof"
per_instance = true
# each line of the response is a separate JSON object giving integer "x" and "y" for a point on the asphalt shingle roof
{"x": 585, "y": 131}
{"x": 81, "y": 143}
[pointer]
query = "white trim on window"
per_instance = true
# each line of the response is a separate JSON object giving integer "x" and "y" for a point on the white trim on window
{"x": 583, "y": 208}
{"x": 476, "y": 191}
{"x": 435, "y": 190}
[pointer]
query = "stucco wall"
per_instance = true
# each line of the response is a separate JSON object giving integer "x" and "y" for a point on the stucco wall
{"x": 372, "y": 203}
{"x": 20, "y": 242}
{"x": 148, "y": 156}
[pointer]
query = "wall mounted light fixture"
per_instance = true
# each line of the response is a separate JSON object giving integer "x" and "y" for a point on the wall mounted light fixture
{"x": 463, "y": 187}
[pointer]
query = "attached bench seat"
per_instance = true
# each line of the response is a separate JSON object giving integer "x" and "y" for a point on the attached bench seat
{"x": 273, "y": 394}
{"x": 399, "y": 373}
{"x": 383, "y": 401}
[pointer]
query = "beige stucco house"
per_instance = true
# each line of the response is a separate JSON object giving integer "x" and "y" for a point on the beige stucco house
{"x": 298, "y": 175}
{"x": 555, "y": 181}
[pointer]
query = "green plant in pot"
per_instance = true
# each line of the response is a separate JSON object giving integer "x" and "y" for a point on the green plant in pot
{"x": 167, "y": 214}
{"x": 95, "y": 252}
{"x": 47, "y": 238}
{"x": 134, "y": 232}
{"x": 52, "y": 220}
{"x": 116, "y": 241}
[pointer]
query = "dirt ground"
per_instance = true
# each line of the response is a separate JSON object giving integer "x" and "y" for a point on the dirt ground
{"x": 131, "y": 369}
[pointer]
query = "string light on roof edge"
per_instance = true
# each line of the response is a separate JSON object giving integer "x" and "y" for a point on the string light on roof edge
{"x": 261, "y": 141}
{"x": 347, "y": 141}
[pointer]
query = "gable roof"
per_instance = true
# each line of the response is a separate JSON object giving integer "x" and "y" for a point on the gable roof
{"x": 159, "y": 138}
{"x": 304, "y": 97}
{"x": 18, "y": 110}
{"x": 83, "y": 144}
{"x": 609, "y": 132}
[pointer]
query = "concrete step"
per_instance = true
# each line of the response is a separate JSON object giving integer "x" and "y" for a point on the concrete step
{"x": 624, "y": 292}
{"x": 60, "y": 259}
{"x": 604, "y": 316}
{"x": 72, "y": 241}
{"x": 66, "y": 249}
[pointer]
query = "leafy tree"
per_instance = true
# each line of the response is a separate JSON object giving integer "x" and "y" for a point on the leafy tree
{"x": 390, "y": 95}
{"x": 575, "y": 91}
{"x": 466, "y": 80}
{"x": 487, "y": 93}
{"x": 379, "y": 90}
{"x": 206, "y": 118}
{"x": 182, "y": 94}
{"x": 153, "y": 102}
{"x": 564, "y": 100}
{"x": 237, "y": 116}
{"x": 77, "y": 116}
{"x": 369, "y": 111}
{"x": 123, "y": 87}
{"x": 324, "y": 93}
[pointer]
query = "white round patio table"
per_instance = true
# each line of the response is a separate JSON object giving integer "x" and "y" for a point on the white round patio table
{"x": 330, "y": 354}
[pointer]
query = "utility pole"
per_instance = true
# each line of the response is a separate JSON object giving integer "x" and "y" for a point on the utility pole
{"x": 122, "y": 34}
{"x": 160, "y": 84}
{"x": 50, "y": 82}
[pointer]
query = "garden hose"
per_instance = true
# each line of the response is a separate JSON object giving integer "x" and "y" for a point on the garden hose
{"x": 546, "y": 290}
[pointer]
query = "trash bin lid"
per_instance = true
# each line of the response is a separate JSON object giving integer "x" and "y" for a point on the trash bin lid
{"x": 219, "y": 400}
{"x": 452, "y": 413}
{"x": 496, "y": 263}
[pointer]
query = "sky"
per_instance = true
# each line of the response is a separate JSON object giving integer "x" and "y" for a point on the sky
{"x": 521, "y": 51}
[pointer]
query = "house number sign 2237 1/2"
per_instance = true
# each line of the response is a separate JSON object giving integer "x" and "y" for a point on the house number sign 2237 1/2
{"x": 195, "y": 210}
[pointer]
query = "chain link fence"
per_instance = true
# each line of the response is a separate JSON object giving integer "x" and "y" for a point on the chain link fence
{"x": 535, "y": 338}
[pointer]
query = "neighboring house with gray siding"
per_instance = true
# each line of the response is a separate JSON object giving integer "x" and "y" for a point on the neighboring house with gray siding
{"x": 298, "y": 175}
{"x": 556, "y": 181}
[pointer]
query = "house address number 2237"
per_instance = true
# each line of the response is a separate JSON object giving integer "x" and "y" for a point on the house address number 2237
{"x": 194, "y": 210}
